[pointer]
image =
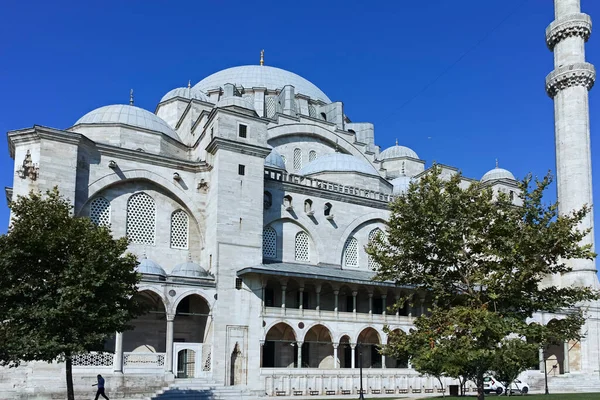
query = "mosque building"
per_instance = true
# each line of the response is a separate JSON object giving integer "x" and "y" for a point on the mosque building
{"x": 249, "y": 198}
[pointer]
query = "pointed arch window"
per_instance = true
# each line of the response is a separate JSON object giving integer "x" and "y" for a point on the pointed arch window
{"x": 269, "y": 242}
{"x": 297, "y": 159}
{"x": 100, "y": 212}
{"x": 141, "y": 219}
{"x": 302, "y": 249}
{"x": 372, "y": 235}
{"x": 351, "y": 253}
{"x": 180, "y": 228}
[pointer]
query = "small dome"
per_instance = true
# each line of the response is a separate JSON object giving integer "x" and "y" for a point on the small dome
{"x": 235, "y": 101}
{"x": 189, "y": 269}
{"x": 401, "y": 184}
{"x": 127, "y": 115}
{"x": 338, "y": 162}
{"x": 496, "y": 174}
{"x": 274, "y": 160}
{"x": 396, "y": 152}
{"x": 186, "y": 93}
{"x": 149, "y": 267}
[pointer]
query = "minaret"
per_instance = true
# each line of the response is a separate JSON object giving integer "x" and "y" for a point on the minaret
{"x": 568, "y": 85}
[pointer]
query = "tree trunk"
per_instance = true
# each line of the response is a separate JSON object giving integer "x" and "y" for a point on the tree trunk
{"x": 480, "y": 393}
{"x": 69, "y": 373}
{"x": 441, "y": 386}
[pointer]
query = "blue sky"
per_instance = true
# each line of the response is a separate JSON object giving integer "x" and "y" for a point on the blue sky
{"x": 392, "y": 63}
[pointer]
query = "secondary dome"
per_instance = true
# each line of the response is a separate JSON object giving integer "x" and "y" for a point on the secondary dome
{"x": 396, "y": 152}
{"x": 249, "y": 76}
{"x": 189, "y": 269}
{"x": 338, "y": 162}
{"x": 149, "y": 267}
{"x": 127, "y": 115}
{"x": 401, "y": 184}
{"x": 274, "y": 160}
{"x": 497, "y": 173}
{"x": 186, "y": 93}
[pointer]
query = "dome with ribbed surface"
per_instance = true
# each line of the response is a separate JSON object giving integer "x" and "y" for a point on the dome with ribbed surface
{"x": 186, "y": 93}
{"x": 249, "y": 76}
{"x": 127, "y": 115}
{"x": 338, "y": 162}
{"x": 401, "y": 184}
{"x": 496, "y": 174}
{"x": 396, "y": 152}
{"x": 149, "y": 267}
{"x": 189, "y": 269}
{"x": 274, "y": 160}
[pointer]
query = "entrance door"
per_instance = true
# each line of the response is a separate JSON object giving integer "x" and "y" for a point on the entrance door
{"x": 186, "y": 363}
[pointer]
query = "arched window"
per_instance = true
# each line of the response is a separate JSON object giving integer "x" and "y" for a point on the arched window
{"x": 297, "y": 159}
{"x": 351, "y": 253}
{"x": 267, "y": 200}
{"x": 302, "y": 250}
{"x": 324, "y": 116}
{"x": 312, "y": 155}
{"x": 352, "y": 131}
{"x": 100, "y": 211}
{"x": 180, "y": 227}
{"x": 327, "y": 209}
{"x": 269, "y": 242}
{"x": 141, "y": 219}
{"x": 372, "y": 235}
{"x": 308, "y": 206}
{"x": 287, "y": 202}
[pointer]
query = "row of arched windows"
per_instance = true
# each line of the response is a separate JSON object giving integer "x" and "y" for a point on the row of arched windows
{"x": 141, "y": 220}
{"x": 298, "y": 160}
{"x": 351, "y": 257}
{"x": 288, "y": 204}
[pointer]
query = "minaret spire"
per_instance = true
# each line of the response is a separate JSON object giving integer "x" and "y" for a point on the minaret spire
{"x": 568, "y": 85}
{"x": 262, "y": 57}
{"x": 131, "y": 97}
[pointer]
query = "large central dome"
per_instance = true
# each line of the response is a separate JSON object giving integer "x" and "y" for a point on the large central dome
{"x": 272, "y": 78}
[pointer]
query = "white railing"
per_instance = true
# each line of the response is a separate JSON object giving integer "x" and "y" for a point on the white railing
{"x": 93, "y": 360}
{"x": 282, "y": 176}
{"x": 135, "y": 360}
{"x": 345, "y": 381}
{"x": 334, "y": 316}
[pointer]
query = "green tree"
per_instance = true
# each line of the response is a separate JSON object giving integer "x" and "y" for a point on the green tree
{"x": 483, "y": 261}
{"x": 67, "y": 285}
{"x": 513, "y": 356}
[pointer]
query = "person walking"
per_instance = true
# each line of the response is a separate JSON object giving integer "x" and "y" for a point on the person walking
{"x": 100, "y": 385}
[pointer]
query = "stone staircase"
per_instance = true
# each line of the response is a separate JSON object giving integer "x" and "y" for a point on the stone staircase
{"x": 201, "y": 389}
{"x": 568, "y": 383}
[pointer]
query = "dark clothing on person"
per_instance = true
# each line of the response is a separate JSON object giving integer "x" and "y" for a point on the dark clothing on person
{"x": 100, "y": 391}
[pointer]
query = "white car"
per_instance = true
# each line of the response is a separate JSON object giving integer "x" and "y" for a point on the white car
{"x": 491, "y": 385}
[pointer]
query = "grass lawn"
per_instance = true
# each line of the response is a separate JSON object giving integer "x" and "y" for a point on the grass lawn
{"x": 560, "y": 396}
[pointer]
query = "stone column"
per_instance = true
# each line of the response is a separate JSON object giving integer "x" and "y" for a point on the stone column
{"x": 336, "y": 363}
{"x": 422, "y": 299}
{"x": 301, "y": 298}
{"x": 318, "y": 288}
{"x": 397, "y": 299}
{"x": 299, "y": 344}
{"x": 353, "y": 361}
{"x": 169, "y": 344}
{"x": 384, "y": 304}
{"x": 542, "y": 360}
{"x": 262, "y": 297}
{"x": 354, "y": 293}
{"x": 382, "y": 361}
{"x": 370, "y": 303}
{"x": 118, "y": 361}
{"x": 262, "y": 346}
{"x": 336, "y": 294}
{"x": 283, "y": 292}
{"x": 568, "y": 85}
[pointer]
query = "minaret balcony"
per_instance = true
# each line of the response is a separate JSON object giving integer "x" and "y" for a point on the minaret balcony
{"x": 572, "y": 25}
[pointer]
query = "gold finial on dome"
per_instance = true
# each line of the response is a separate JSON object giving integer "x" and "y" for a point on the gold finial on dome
{"x": 262, "y": 57}
{"x": 131, "y": 97}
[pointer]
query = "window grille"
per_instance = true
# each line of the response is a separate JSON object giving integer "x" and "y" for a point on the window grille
{"x": 238, "y": 283}
{"x": 312, "y": 156}
{"x": 270, "y": 108}
{"x": 372, "y": 235}
{"x": 141, "y": 219}
{"x": 312, "y": 112}
{"x": 242, "y": 129}
{"x": 269, "y": 243}
{"x": 100, "y": 211}
{"x": 302, "y": 250}
{"x": 297, "y": 159}
{"x": 351, "y": 253}
{"x": 180, "y": 227}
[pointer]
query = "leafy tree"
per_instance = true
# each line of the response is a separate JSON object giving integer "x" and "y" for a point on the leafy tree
{"x": 483, "y": 261}
{"x": 66, "y": 284}
{"x": 513, "y": 356}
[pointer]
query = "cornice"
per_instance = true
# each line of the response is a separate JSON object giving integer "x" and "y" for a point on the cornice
{"x": 580, "y": 74}
{"x": 243, "y": 148}
{"x": 37, "y": 132}
{"x": 571, "y": 25}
